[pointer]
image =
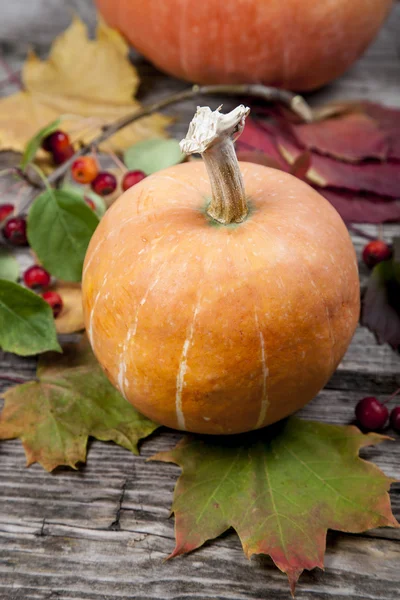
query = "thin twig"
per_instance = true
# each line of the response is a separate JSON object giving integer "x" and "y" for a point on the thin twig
{"x": 295, "y": 102}
{"x": 118, "y": 162}
{"x": 396, "y": 393}
{"x": 360, "y": 232}
{"x": 13, "y": 379}
{"x": 9, "y": 80}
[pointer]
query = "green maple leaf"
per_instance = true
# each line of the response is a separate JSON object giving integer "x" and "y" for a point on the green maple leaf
{"x": 71, "y": 401}
{"x": 280, "y": 489}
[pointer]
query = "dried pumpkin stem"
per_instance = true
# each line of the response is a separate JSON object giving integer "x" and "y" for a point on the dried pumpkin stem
{"x": 211, "y": 134}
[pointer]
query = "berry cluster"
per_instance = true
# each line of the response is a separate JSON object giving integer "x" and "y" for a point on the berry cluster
{"x": 37, "y": 277}
{"x": 370, "y": 412}
{"x": 374, "y": 415}
{"x": 58, "y": 144}
{"x": 14, "y": 231}
{"x": 85, "y": 170}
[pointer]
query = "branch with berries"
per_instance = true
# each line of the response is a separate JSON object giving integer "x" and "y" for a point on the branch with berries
{"x": 69, "y": 203}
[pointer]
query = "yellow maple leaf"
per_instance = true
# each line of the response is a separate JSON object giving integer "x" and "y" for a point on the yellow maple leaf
{"x": 90, "y": 82}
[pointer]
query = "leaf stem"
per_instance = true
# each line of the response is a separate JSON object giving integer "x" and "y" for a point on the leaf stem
{"x": 392, "y": 396}
{"x": 42, "y": 177}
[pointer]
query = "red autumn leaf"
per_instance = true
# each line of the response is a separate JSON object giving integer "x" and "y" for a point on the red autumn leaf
{"x": 348, "y": 137}
{"x": 358, "y": 208}
{"x": 255, "y": 137}
{"x": 301, "y": 165}
{"x": 381, "y": 178}
{"x": 364, "y": 192}
{"x": 388, "y": 120}
{"x": 280, "y": 489}
{"x": 259, "y": 158}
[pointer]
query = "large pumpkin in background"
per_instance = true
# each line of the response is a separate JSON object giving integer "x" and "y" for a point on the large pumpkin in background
{"x": 213, "y": 326}
{"x": 295, "y": 44}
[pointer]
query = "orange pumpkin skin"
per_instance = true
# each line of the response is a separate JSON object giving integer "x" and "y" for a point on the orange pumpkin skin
{"x": 295, "y": 44}
{"x": 220, "y": 329}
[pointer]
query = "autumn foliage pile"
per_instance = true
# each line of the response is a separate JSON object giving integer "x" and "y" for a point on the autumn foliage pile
{"x": 350, "y": 154}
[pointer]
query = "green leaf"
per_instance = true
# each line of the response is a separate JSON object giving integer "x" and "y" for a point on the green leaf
{"x": 26, "y": 321}
{"x": 9, "y": 268}
{"x": 85, "y": 192}
{"x": 35, "y": 142}
{"x": 380, "y": 310}
{"x": 60, "y": 226}
{"x": 280, "y": 489}
{"x": 153, "y": 155}
{"x": 71, "y": 401}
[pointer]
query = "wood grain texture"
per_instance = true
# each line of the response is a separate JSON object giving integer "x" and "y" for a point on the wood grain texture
{"x": 103, "y": 532}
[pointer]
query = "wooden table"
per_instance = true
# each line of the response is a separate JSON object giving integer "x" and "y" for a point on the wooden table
{"x": 103, "y": 532}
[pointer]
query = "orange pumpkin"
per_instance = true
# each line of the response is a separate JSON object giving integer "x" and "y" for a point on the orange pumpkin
{"x": 220, "y": 316}
{"x": 296, "y": 44}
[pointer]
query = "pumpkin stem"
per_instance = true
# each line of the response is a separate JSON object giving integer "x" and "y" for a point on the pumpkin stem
{"x": 212, "y": 134}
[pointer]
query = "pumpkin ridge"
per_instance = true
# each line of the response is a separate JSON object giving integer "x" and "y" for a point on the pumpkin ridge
{"x": 231, "y": 327}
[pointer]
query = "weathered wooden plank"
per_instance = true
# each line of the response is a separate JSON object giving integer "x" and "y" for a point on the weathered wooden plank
{"x": 42, "y": 19}
{"x": 97, "y": 532}
{"x": 121, "y": 566}
{"x": 92, "y": 496}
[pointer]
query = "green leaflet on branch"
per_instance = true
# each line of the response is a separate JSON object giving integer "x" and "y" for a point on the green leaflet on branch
{"x": 26, "y": 321}
{"x": 280, "y": 489}
{"x": 381, "y": 300}
{"x": 153, "y": 155}
{"x": 85, "y": 192}
{"x": 71, "y": 401}
{"x": 9, "y": 268}
{"x": 60, "y": 226}
{"x": 35, "y": 142}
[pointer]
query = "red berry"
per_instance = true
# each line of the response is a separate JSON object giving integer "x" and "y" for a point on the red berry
{"x": 375, "y": 252}
{"x": 36, "y": 276}
{"x": 132, "y": 178}
{"x": 90, "y": 203}
{"x": 60, "y": 156}
{"x": 395, "y": 419}
{"x": 15, "y": 231}
{"x": 84, "y": 169}
{"x": 105, "y": 183}
{"x": 371, "y": 414}
{"x": 54, "y": 300}
{"x": 5, "y": 211}
{"x": 56, "y": 141}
